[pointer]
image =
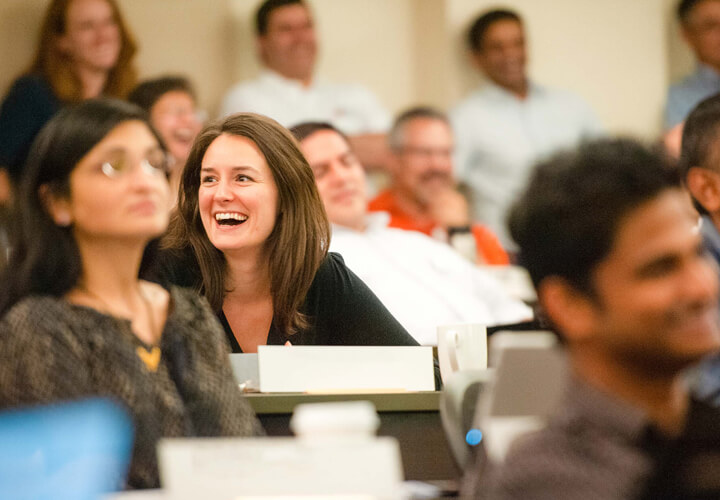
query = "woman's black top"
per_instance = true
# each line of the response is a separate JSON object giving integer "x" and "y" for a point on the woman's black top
{"x": 341, "y": 309}
{"x": 27, "y": 107}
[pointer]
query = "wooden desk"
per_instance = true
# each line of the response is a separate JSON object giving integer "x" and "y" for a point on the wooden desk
{"x": 412, "y": 418}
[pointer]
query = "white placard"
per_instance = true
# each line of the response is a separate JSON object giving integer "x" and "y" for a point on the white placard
{"x": 345, "y": 368}
{"x": 231, "y": 468}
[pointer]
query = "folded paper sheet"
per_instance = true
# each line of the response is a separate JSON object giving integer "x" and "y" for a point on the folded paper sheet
{"x": 345, "y": 368}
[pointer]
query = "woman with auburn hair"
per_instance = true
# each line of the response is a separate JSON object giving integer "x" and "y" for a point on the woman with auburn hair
{"x": 84, "y": 51}
{"x": 77, "y": 321}
{"x": 251, "y": 224}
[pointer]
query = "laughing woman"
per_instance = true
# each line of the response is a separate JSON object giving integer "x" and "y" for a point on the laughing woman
{"x": 252, "y": 235}
{"x": 77, "y": 320}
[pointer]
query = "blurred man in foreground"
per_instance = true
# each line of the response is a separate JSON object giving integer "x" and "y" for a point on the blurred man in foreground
{"x": 611, "y": 242}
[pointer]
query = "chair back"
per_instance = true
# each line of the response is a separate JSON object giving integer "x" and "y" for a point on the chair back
{"x": 530, "y": 376}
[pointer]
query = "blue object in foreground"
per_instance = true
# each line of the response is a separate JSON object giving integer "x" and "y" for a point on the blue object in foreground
{"x": 473, "y": 437}
{"x": 79, "y": 450}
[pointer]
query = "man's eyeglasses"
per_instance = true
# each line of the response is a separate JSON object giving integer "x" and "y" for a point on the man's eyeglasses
{"x": 427, "y": 153}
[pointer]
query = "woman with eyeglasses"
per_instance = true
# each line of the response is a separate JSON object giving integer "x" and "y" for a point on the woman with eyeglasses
{"x": 77, "y": 321}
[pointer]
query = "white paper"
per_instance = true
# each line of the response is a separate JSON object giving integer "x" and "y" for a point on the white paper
{"x": 345, "y": 368}
{"x": 230, "y": 468}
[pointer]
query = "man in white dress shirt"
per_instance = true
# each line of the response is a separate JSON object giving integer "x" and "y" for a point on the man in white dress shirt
{"x": 505, "y": 127}
{"x": 422, "y": 282}
{"x": 289, "y": 91}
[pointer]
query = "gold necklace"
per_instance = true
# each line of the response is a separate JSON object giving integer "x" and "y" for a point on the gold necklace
{"x": 150, "y": 357}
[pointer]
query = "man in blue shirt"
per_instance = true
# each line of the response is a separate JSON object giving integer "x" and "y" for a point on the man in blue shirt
{"x": 700, "y": 25}
{"x": 610, "y": 240}
{"x": 699, "y": 164}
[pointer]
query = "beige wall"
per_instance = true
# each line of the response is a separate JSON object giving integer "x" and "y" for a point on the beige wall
{"x": 19, "y": 20}
{"x": 357, "y": 45}
{"x": 618, "y": 54}
{"x": 611, "y": 52}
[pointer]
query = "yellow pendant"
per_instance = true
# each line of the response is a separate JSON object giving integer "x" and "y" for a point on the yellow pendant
{"x": 151, "y": 358}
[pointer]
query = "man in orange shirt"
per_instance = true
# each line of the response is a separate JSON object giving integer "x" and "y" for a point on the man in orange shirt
{"x": 423, "y": 195}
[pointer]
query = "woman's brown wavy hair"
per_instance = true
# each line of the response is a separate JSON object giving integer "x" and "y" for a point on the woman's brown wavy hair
{"x": 297, "y": 244}
{"x": 57, "y": 67}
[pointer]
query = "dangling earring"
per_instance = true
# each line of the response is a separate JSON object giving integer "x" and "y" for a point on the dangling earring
{"x": 63, "y": 219}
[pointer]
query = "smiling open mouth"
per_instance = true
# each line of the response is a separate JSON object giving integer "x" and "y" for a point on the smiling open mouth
{"x": 230, "y": 219}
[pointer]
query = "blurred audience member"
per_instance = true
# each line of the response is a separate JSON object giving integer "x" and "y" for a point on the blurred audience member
{"x": 171, "y": 102}
{"x": 611, "y": 242}
{"x": 701, "y": 172}
{"x": 84, "y": 51}
{"x": 700, "y": 26}
{"x": 423, "y": 195}
{"x": 698, "y": 163}
{"x": 672, "y": 141}
{"x": 289, "y": 91}
{"x": 77, "y": 321}
{"x": 502, "y": 129}
{"x": 421, "y": 281}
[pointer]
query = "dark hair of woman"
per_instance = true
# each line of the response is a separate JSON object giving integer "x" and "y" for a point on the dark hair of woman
{"x": 45, "y": 258}
{"x": 298, "y": 242}
{"x": 56, "y": 66}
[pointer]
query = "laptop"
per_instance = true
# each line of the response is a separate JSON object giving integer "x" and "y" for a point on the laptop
{"x": 78, "y": 450}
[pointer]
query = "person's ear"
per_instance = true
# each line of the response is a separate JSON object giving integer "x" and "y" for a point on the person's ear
{"x": 573, "y": 312}
{"x": 477, "y": 60}
{"x": 392, "y": 161}
{"x": 704, "y": 186}
{"x": 687, "y": 34}
{"x": 58, "y": 207}
{"x": 62, "y": 43}
{"x": 260, "y": 48}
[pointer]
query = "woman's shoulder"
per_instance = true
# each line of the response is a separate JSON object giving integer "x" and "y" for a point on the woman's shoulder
{"x": 37, "y": 318}
{"x": 347, "y": 312}
{"x": 187, "y": 300}
{"x": 332, "y": 267}
{"x": 336, "y": 287}
{"x": 35, "y": 308}
{"x": 31, "y": 85}
{"x": 190, "y": 309}
{"x": 173, "y": 268}
{"x": 331, "y": 286}
{"x": 193, "y": 320}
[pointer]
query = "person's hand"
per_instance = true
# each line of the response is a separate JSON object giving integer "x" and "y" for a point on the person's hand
{"x": 449, "y": 208}
{"x": 672, "y": 140}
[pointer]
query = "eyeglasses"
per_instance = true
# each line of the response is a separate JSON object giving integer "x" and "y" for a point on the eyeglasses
{"x": 427, "y": 153}
{"x": 157, "y": 162}
{"x": 179, "y": 112}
